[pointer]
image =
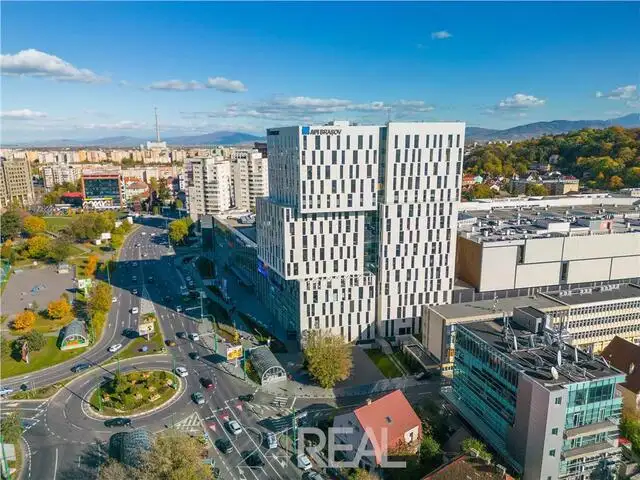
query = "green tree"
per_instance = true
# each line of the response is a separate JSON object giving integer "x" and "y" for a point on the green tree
{"x": 362, "y": 474}
{"x": 34, "y": 339}
{"x": 179, "y": 203}
{"x": 475, "y": 444}
{"x": 536, "y": 190}
{"x": 156, "y": 210}
{"x": 430, "y": 452}
{"x": 616, "y": 183}
{"x": 7, "y": 252}
{"x": 11, "y": 224}
{"x": 482, "y": 190}
{"x": 33, "y": 225}
{"x": 100, "y": 299}
{"x": 114, "y": 470}
{"x": 58, "y": 309}
{"x": 328, "y": 357}
{"x": 117, "y": 240}
{"x": 178, "y": 230}
{"x": 630, "y": 429}
{"x": 60, "y": 249}
{"x": 11, "y": 427}
{"x": 38, "y": 246}
{"x": 5, "y": 347}
{"x": 164, "y": 193}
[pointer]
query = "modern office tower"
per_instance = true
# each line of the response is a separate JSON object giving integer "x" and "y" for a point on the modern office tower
{"x": 250, "y": 175}
{"x": 53, "y": 175}
{"x": 356, "y": 234}
{"x": 103, "y": 189}
{"x": 16, "y": 184}
{"x": 210, "y": 189}
{"x": 551, "y": 411}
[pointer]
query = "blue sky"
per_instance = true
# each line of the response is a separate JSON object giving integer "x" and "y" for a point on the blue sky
{"x": 88, "y": 70}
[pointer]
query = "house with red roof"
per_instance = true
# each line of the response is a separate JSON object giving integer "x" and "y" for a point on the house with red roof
{"x": 376, "y": 428}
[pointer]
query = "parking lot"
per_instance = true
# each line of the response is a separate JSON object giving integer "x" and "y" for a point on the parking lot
{"x": 39, "y": 284}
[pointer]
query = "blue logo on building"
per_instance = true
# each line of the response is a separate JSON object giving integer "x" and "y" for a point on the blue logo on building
{"x": 305, "y": 130}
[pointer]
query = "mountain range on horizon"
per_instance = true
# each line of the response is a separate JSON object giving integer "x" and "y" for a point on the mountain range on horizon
{"x": 520, "y": 132}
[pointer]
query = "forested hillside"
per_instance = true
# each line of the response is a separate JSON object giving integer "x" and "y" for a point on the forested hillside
{"x": 600, "y": 158}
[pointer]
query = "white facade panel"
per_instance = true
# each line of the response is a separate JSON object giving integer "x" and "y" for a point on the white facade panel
{"x": 538, "y": 250}
{"x": 588, "y": 270}
{"x": 625, "y": 267}
{"x": 537, "y": 275}
{"x": 498, "y": 268}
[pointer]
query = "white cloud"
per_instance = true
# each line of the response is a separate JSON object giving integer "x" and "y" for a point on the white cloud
{"x": 24, "y": 114}
{"x": 225, "y": 85}
{"x": 34, "y": 63}
{"x": 176, "y": 85}
{"x": 441, "y": 35}
{"x": 520, "y": 101}
{"x": 121, "y": 125}
{"x": 627, "y": 92}
{"x": 218, "y": 83}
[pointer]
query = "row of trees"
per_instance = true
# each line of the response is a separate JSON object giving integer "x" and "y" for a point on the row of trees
{"x": 605, "y": 158}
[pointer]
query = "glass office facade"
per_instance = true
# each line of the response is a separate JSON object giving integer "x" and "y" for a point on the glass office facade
{"x": 102, "y": 188}
{"x": 484, "y": 388}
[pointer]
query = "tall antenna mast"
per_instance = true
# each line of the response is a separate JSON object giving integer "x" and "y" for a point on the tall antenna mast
{"x": 155, "y": 109}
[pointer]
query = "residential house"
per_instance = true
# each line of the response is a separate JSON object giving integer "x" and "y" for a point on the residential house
{"x": 382, "y": 425}
{"x": 468, "y": 467}
{"x": 625, "y": 356}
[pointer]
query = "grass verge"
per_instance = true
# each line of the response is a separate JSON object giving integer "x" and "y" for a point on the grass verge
{"x": 40, "y": 393}
{"x": 55, "y": 224}
{"x": 384, "y": 363}
{"x": 49, "y": 355}
{"x": 154, "y": 345}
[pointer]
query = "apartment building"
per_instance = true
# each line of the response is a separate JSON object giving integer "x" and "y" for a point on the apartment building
{"x": 250, "y": 175}
{"x": 550, "y": 410}
{"x": 53, "y": 175}
{"x": 209, "y": 191}
{"x": 16, "y": 184}
{"x": 356, "y": 234}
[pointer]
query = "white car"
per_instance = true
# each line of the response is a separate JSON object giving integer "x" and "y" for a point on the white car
{"x": 135, "y": 291}
{"x": 234, "y": 427}
{"x": 134, "y": 310}
{"x": 144, "y": 233}
{"x": 178, "y": 308}
{"x": 194, "y": 336}
{"x": 181, "y": 372}
{"x": 115, "y": 348}
{"x": 5, "y": 391}
{"x": 303, "y": 462}
{"x": 114, "y": 299}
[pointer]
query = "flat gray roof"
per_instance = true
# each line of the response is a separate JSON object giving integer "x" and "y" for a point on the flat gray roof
{"x": 597, "y": 294}
{"x": 490, "y": 309}
{"x": 535, "y": 356}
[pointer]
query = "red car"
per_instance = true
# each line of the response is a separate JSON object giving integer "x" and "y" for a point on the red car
{"x": 207, "y": 383}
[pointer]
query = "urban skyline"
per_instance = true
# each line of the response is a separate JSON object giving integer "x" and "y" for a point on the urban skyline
{"x": 486, "y": 65}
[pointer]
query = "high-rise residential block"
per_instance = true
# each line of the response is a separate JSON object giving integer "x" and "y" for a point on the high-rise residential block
{"x": 356, "y": 234}
{"x": 250, "y": 178}
{"x": 16, "y": 184}
{"x": 209, "y": 191}
{"x": 53, "y": 175}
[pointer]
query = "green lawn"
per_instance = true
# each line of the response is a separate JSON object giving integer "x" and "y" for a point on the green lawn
{"x": 155, "y": 345}
{"x": 48, "y": 356}
{"x": 384, "y": 363}
{"x": 39, "y": 393}
{"x": 55, "y": 224}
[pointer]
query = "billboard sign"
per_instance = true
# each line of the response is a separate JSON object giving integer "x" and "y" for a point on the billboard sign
{"x": 234, "y": 352}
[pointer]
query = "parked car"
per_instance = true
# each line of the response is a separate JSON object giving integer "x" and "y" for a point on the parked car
{"x": 115, "y": 348}
{"x": 198, "y": 398}
{"x": 181, "y": 372}
{"x": 246, "y": 398}
{"x": 272, "y": 440}
{"x": 224, "y": 445}
{"x": 303, "y": 462}
{"x": 234, "y": 427}
{"x": 80, "y": 367}
{"x": 194, "y": 356}
{"x": 207, "y": 383}
{"x": 118, "y": 422}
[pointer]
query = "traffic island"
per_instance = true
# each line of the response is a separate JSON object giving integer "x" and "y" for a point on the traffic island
{"x": 134, "y": 393}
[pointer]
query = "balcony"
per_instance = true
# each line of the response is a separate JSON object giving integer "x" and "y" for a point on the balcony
{"x": 589, "y": 451}
{"x": 592, "y": 428}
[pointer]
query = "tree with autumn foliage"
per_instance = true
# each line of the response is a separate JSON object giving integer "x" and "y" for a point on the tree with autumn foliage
{"x": 60, "y": 308}
{"x": 328, "y": 357}
{"x": 38, "y": 246}
{"x": 24, "y": 320}
{"x": 91, "y": 266}
{"x": 33, "y": 225}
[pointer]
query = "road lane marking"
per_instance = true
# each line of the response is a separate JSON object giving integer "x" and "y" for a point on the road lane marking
{"x": 55, "y": 466}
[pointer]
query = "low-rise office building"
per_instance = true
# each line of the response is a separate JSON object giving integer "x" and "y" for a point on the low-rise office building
{"x": 589, "y": 318}
{"x": 550, "y": 410}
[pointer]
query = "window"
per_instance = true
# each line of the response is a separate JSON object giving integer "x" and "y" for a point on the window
{"x": 564, "y": 271}
{"x": 554, "y": 431}
{"x": 317, "y": 142}
{"x": 360, "y": 142}
{"x": 304, "y": 142}
{"x": 558, "y": 401}
{"x": 552, "y": 452}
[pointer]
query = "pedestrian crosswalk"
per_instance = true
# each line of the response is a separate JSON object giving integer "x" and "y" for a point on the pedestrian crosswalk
{"x": 31, "y": 413}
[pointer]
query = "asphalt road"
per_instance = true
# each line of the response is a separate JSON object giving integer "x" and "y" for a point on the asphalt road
{"x": 65, "y": 439}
